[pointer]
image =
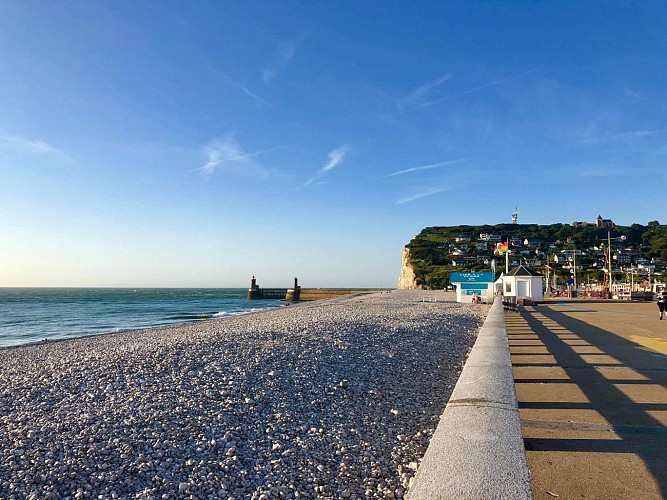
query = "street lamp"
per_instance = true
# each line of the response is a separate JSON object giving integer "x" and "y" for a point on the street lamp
{"x": 572, "y": 262}
{"x": 648, "y": 268}
{"x": 609, "y": 238}
{"x": 631, "y": 271}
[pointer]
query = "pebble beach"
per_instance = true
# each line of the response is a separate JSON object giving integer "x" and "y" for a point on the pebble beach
{"x": 335, "y": 398}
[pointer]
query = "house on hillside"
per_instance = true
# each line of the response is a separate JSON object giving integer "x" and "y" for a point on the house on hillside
{"x": 628, "y": 256}
{"x": 481, "y": 246}
{"x": 462, "y": 259}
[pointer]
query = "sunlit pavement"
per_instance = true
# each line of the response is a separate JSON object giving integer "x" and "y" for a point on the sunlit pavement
{"x": 591, "y": 381}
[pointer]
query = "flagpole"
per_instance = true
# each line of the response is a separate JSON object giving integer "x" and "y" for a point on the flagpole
{"x": 507, "y": 255}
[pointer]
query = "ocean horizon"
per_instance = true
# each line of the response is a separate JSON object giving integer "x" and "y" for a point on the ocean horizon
{"x": 33, "y": 314}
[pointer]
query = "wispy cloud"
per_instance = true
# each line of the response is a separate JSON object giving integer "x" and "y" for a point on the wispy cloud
{"x": 634, "y": 94}
{"x": 593, "y": 172}
{"x": 492, "y": 83}
{"x": 427, "y": 167}
{"x": 640, "y": 134}
{"x": 31, "y": 145}
{"x": 283, "y": 56}
{"x": 421, "y": 194}
{"x": 335, "y": 158}
{"x": 229, "y": 155}
{"x": 596, "y": 171}
{"x": 584, "y": 170}
{"x": 242, "y": 88}
{"x": 419, "y": 94}
{"x": 625, "y": 136}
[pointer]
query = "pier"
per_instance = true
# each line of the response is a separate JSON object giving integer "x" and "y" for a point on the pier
{"x": 270, "y": 293}
{"x": 296, "y": 293}
{"x": 291, "y": 294}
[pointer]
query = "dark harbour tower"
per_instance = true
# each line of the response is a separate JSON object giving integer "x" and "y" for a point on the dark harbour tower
{"x": 253, "y": 291}
{"x": 293, "y": 294}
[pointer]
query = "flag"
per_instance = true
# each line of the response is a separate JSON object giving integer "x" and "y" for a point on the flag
{"x": 501, "y": 248}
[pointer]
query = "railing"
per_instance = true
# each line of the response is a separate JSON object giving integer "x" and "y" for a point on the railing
{"x": 510, "y": 304}
{"x": 597, "y": 294}
{"x": 273, "y": 293}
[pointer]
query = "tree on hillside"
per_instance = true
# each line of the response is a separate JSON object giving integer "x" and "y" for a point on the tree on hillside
{"x": 656, "y": 236}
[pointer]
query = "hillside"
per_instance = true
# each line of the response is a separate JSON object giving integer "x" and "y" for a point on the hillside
{"x": 436, "y": 252}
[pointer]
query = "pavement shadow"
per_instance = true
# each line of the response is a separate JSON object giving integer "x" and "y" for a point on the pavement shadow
{"x": 628, "y": 412}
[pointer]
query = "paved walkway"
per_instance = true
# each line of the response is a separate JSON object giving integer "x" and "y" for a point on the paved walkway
{"x": 591, "y": 381}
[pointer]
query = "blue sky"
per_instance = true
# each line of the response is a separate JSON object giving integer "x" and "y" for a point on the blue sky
{"x": 197, "y": 143}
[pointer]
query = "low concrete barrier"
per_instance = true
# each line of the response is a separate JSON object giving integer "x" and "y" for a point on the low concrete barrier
{"x": 477, "y": 451}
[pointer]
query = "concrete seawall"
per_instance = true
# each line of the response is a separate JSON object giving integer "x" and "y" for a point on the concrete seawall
{"x": 477, "y": 451}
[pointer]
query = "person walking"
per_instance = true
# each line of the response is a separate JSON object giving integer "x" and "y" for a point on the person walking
{"x": 662, "y": 300}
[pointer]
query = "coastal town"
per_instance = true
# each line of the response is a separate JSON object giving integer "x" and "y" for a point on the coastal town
{"x": 590, "y": 258}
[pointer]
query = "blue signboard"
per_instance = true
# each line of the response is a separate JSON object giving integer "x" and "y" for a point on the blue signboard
{"x": 471, "y": 277}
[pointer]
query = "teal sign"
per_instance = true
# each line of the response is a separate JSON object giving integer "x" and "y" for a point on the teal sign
{"x": 471, "y": 277}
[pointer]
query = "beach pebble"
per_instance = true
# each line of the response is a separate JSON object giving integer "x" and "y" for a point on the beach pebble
{"x": 336, "y": 398}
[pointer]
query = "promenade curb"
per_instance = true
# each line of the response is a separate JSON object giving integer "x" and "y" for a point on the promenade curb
{"x": 477, "y": 450}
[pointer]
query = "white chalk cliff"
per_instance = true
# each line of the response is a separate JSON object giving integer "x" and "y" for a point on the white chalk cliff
{"x": 407, "y": 280}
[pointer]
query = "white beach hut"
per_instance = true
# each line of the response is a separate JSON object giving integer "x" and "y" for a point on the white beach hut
{"x": 498, "y": 285}
{"x": 523, "y": 283}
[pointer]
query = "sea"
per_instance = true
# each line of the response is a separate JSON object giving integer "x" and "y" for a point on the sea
{"x": 35, "y": 314}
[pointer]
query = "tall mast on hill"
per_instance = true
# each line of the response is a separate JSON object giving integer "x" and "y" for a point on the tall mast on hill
{"x": 515, "y": 216}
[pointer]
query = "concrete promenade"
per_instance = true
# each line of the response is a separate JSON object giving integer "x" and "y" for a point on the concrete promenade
{"x": 591, "y": 383}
